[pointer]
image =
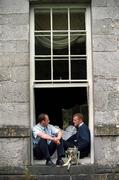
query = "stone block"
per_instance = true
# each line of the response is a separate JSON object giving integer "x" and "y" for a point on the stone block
{"x": 14, "y": 19}
{"x": 14, "y": 46}
{"x": 104, "y": 43}
{"x": 113, "y": 100}
{"x": 14, "y": 114}
{"x": 14, "y": 59}
{"x": 14, "y": 6}
{"x": 105, "y": 12}
{"x": 101, "y": 3}
{"x": 20, "y": 74}
{"x": 54, "y": 177}
{"x": 13, "y": 32}
{"x": 107, "y": 84}
{"x": 14, "y": 92}
{"x": 106, "y": 150}
{"x": 15, "y": 74}
{"x": 106, "y": 65}
{"x": 105, "y": 27}
{"x": 113, "y": 3}
{"x": 4, "y": 74}
{"x": 14, "y": 151}
{"x": 104, "y": 118}
{"x": 100, "y": 98}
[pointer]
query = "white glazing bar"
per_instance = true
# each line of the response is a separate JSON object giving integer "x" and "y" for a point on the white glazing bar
{"x": 60, "y": 81}
{"x": 32, "y": 76}
{"x": 90, "y": 79}
{"x": 51, "y": 21}
{"x": 61, "y": 85}
{"x": 69, "y": 44}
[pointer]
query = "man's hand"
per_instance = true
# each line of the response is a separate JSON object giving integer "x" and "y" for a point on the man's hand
{"x": 56, "y": 140}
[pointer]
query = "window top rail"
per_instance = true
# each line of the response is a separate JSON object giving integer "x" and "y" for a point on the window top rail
{"x": 66, "y": 85}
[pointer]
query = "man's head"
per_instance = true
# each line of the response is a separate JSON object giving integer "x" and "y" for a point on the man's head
{"x": 43, "y": 119}
{"x": 78, "y": 119}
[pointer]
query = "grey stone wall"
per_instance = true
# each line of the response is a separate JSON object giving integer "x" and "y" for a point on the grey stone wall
{"x": 14, "y": 80}
{"x": 105, "y": 36}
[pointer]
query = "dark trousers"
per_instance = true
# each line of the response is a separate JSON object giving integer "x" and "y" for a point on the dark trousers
{"x": 83, "y": 146}
{"x": 43, "y": 150}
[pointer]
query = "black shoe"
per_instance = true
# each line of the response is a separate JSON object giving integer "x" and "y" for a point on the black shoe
{"x": 49, "y": 163}
{"x": 59, "y": 162}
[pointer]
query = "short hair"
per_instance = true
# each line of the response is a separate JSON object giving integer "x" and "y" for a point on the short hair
{"x": 41, "y": 117}
{"x": 79, "y": 115}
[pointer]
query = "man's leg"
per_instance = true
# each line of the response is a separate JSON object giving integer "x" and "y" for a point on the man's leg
{"x": 41, "y": 150}
{"x": 60, "y": 151}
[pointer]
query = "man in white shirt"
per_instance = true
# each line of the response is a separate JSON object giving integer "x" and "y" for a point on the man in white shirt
{"x": 46, "y": 139}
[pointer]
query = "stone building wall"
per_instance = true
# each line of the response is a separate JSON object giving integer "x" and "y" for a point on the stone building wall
{"x": 14, "y": 82}
{"x": 105, "y": 37}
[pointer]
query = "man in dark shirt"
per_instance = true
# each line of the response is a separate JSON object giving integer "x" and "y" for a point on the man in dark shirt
{"x": 81, "y": 139}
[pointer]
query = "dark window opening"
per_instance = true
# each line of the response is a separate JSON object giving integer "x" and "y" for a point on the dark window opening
{"x": 61, "y": 103}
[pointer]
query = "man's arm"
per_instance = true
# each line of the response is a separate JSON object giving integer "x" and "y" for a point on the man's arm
{"x": 45, "y": 136}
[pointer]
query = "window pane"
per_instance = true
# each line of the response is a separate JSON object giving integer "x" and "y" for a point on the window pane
{"x": 42, "y": 19}
{"x": 60, "y": 69}
{"x": 60, "y": 44}
{"x": 60, "y": 19}
{"x": 43, "y": 70}
{"x": 77, "y": 20}
{"x": 42, "y": 45}
{"x": 78, "y": 44}
{"x": 78, "y": 69}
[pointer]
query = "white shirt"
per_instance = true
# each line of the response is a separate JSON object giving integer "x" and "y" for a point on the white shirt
{"x": 50, "y": 130}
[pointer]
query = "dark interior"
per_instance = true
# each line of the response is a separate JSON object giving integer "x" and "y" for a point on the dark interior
{"x": 56, "y": 101}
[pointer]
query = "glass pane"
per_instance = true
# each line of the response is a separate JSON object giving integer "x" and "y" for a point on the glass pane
{"x": 60, "y": 69}
{"x": 78, "y": 44}
{"x": 60, "y": 44}
{"x": 42, "y": 19}
{"x": 60, "y": 19}
{"x": 77, "y": 19}
{"x": 42, "y": 70}
{"x": 78, "y": 69}
{"x": 42, "y": 45}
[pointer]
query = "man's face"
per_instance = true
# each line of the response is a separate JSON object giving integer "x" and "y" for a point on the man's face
{"x": 46, "y": 121}
{"x": 76, "y": 121}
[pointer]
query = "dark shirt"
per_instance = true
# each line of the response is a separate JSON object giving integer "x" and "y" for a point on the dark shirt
{"x": 81, "y": 140}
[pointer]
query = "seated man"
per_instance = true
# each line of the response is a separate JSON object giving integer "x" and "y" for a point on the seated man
{"x": 46, "y": 139}
{"x": 81, "y": 139}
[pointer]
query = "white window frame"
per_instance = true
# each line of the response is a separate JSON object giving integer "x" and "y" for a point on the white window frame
{"x": 88, "y": 83}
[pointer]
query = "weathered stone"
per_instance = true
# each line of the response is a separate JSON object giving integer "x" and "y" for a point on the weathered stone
{"x": 14, "y": 152}
{"x": 104, "y": 43}
{"x": 100, "y": 98}
{"x": 6, "y": 7}
{"x": 14, "y": 59}
{"x": 14, "y": 19}
{"x": 14, "y": 131}
{"x": 112, "y": 3}
{"x": 14, "y": 46}
{"x": 14, "y": 92}
{"x": 107, "y": 150}
{"x": 13, "y": 32}
{"x": 113, "y": 100}
{"x": 105, "y": 118}
{"x": 106, "y": 130}
{"x": 105, "y": 12}
{"x": 106, "y": 64}
{"x": 101, "y": 3}
{"x": 106, "y": 26}
{"x": 16, "y": 114}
